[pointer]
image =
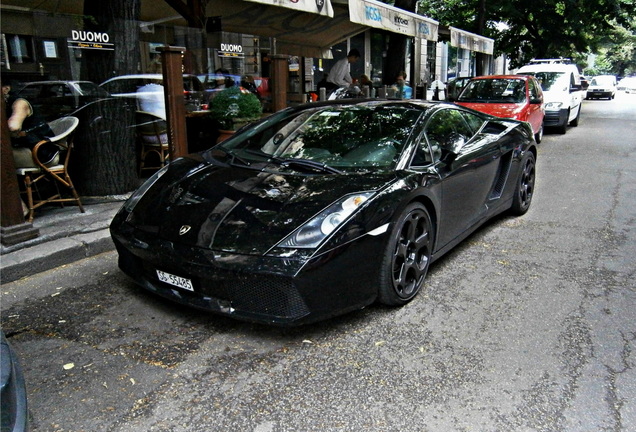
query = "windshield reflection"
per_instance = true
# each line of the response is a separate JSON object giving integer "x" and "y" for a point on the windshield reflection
{"x": 329, "y": 139}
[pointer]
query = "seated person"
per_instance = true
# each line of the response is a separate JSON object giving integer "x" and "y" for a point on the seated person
{"x": 402, "y": 90}
{"x": 27, "y": 128}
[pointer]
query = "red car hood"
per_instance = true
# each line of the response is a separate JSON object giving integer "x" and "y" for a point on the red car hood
{"x": 506, "y": 110}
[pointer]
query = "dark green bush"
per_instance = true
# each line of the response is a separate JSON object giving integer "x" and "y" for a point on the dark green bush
{"x": 233, "y": 105}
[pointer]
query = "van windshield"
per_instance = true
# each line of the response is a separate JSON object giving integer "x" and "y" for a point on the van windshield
{"x": 552, "y": 80}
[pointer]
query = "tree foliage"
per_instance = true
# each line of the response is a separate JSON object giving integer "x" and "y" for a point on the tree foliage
{"x": 547, "y": 29}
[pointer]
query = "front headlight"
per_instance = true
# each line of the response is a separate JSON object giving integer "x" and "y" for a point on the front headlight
{"x": 139, "y": 193}
{"x": 316, "y": 229}
{"x": 553, "y": 106}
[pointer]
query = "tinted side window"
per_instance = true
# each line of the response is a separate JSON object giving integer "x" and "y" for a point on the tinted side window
{"x": 443, "y": 127}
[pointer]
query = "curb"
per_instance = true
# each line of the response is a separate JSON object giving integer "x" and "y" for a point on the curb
{"x": 46, "y": 256}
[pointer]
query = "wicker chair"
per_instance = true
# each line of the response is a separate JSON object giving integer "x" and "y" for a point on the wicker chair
{"x": 152, "y": 136}
{"x": 33, "y": 171}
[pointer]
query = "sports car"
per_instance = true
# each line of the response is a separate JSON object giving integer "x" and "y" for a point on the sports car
{"x": 323, "y": 208}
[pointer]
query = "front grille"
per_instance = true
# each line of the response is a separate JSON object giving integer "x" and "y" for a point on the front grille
{"x": 257, "y": 294}
{"x": 269, "y": 295}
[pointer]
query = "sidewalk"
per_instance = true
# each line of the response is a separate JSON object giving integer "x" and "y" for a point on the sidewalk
{"x": 65, "y": 235}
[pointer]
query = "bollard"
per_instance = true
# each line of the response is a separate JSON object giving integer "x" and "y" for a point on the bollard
{"x": 323, "y": 94}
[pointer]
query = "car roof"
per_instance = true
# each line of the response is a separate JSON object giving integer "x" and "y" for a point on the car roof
{"x": 57, "y": 82}
{"x": 521, "y": 77}
{"x": 144, "y": 76}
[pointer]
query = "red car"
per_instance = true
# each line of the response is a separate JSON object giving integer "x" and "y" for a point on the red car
{"x": 513, "y": 96}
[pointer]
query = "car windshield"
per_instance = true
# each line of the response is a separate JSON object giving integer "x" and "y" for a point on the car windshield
{"x": 601, "y": 81}
{"x": 332, "y": 138}
{"x": 496, "y": 90}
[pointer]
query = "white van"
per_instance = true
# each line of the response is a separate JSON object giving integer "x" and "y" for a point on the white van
{"x": 562, "y": 91}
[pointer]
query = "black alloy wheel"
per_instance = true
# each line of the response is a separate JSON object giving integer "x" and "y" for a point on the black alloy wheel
{"x": 525, "y": 186}
{"x": 407, "y": 256}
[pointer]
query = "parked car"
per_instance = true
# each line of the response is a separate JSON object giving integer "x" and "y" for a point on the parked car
{"x": 323, "y": 208}
{"x": 13, "y": 399}
{"x": 602, "y": 86}
{"x": 512, "y": 96}
{"x": 455, "y": 86}
{"x": 147, "y": 91}
{"x": 215, "y": 82}
{"x": 628, "y": 85}
{"x": 55, "y": 99}
{"x": 562, "y": 91}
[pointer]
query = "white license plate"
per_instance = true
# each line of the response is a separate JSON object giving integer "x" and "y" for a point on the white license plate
{"x": 177, "y": 281}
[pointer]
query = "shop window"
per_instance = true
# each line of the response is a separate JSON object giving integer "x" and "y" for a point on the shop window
{"x": 20, "y": 48}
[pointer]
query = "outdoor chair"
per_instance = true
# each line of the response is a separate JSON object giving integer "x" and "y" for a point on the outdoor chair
{"x": 34, "y": 172}
{"x": 152, "y": 136}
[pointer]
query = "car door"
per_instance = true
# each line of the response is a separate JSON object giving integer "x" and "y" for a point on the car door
{"x": 467, "y": 178}
{"x": 536, "y": 109}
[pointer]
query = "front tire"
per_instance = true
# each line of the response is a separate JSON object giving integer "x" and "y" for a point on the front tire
{"x": 575, "y": 122}
{"x": 407, "y": 256}
{"x": 539, "y": 135}
{"x": 524, "y": 190}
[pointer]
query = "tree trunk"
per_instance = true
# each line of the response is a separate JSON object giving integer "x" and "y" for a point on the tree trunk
{"x": 104, "y": 158}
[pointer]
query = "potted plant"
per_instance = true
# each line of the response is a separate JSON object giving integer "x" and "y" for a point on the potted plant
{"x": 233, "y": 108}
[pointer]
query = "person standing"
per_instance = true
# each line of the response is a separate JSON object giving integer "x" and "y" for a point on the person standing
{"x": 339, "y": 75}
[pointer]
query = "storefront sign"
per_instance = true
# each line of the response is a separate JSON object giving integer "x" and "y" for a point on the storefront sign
{"x": 320, "y": 7}
{"x": 231, "y": 50}
{"x": 83, "y": 39}
{"x": 471, "y": 41}
{"x": 372, "y": 13}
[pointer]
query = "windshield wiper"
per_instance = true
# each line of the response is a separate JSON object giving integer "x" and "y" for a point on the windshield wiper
{"x": 309, "y": 164}
{"x": 296, "y": 163}
{"x": 233, "y": 156}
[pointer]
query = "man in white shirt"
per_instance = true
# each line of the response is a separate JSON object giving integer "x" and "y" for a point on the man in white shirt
{"x": 339, "y": 75}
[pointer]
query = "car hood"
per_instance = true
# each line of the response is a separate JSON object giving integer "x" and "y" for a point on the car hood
{"x": 240, "y": 210}
{"x": 505, "y": 110}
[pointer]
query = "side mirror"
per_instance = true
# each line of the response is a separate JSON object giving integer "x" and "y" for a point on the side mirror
{"x": 575, "y": 87}
{"x": 454, "y": 143}
{"x": 536, "y": 101}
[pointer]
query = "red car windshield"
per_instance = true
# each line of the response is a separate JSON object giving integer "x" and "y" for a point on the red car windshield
{"x": 495, "y": 90}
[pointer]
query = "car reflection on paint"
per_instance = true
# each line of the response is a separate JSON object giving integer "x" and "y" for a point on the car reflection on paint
{"x": 323, "y": 208}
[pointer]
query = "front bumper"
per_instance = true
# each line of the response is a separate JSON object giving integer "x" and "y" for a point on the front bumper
{"x": 555, "y": 118}
{"x": 598, "y": 94}
{"x": 264, "y": 289}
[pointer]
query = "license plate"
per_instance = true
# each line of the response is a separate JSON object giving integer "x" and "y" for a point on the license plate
{"x": 177, "y": 281}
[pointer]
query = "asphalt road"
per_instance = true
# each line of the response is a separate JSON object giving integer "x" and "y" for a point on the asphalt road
{"x": 528, "y": 325}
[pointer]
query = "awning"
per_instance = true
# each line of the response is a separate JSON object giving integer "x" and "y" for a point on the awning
{"x": 297, "y": 32}
{"x": 375, "y": 14}
{"x": 320, "y": 7}
{"x": 305, "y": 28}
{"x": 471, "y": 41}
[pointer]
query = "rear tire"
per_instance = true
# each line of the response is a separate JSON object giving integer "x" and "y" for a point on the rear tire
{"x": 524, "y": 190}
{"x": 407, "y": 256}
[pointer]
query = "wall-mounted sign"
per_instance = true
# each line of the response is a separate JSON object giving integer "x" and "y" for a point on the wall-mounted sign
{"x": 50, "y": 49}
{"x": 83, "y": 39}
{"x": 231, "y": 50}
